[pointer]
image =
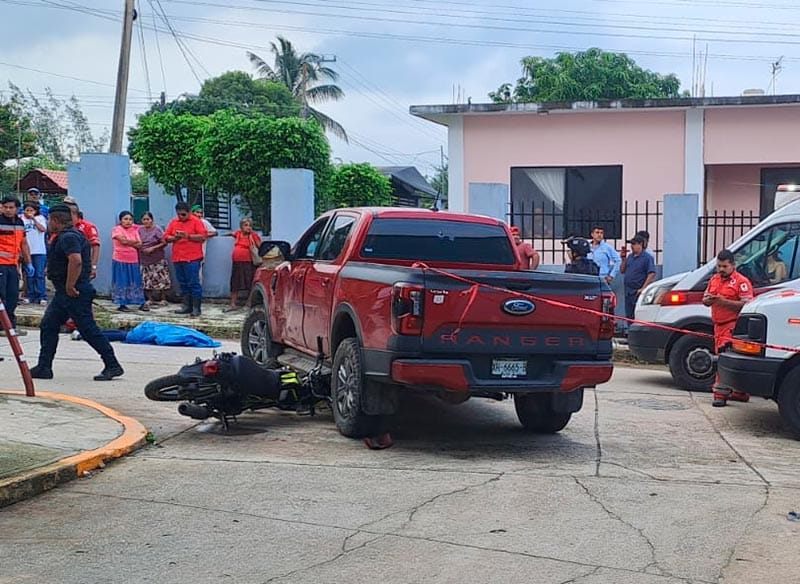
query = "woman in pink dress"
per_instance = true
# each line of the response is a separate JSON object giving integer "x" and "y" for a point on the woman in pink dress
{"x": 126, "y": 276}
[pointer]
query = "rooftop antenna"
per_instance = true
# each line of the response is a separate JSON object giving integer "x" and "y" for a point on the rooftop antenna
{"x": 777, "y": 67}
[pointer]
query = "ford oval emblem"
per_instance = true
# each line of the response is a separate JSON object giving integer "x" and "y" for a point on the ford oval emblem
{"x": 517, "y": 307}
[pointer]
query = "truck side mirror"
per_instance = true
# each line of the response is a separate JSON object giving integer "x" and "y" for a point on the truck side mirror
{"x": 282, "y": 247}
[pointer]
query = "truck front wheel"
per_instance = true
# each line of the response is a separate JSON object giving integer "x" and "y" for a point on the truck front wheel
{"x": 537, "y": 414}
{"x": 347, "y": 390}
{"x": 789, "y": 401}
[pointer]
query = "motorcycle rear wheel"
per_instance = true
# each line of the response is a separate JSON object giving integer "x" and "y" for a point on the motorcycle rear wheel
{"x": 167, "y": 388}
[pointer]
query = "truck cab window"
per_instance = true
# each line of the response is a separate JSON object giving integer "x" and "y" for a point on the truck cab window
{"x": 308, "y": 244}
{"x": 333, "y": 243}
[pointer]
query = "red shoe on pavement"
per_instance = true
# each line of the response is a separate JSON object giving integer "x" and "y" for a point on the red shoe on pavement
{"x": 739, "y": 396}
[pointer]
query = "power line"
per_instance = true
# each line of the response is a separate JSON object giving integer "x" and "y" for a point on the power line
{"x": 143, "y": 50}
{"x": 15, "y": 66}
{"x": 158, "y": 47}
{"x": 183, "y": 51}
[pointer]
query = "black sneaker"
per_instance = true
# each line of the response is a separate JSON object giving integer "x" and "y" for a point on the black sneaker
{"x": 39, "y": 372}
{"x": 109, "y": 373}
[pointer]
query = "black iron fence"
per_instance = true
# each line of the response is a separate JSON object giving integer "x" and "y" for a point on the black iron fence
{"x": 717, "y": 230}
{"x": 217, "y": 209}
{"x": 546, "y": 226}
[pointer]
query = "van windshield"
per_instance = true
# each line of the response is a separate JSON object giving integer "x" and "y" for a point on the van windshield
{"x": 438, "y": 240}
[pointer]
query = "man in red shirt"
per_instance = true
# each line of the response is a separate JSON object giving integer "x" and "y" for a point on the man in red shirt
{"x": 528, "y": 255}
{"x": 187, "y": 233}
{"x": 90, "y": 232}
{"x": 727, "y": 292}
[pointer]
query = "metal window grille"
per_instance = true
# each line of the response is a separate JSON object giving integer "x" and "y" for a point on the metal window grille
{"x": 545, "y": 228}
{"x": 717, "y": 230}
{"x": 217, "y": 209}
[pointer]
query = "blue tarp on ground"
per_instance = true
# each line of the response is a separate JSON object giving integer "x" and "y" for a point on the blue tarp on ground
{"x": 173, "y": 335}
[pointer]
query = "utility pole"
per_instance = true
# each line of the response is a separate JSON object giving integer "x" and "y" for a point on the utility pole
{"x": 19, "y": 151}
{"x": 118, "y": 127}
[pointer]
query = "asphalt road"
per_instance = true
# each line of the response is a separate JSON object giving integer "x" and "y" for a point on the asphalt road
{"x": 646, "y": 485}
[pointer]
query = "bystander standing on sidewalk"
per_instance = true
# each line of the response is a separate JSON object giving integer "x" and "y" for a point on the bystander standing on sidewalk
{"x": 244, "y": 269}
{"x": 35, "y": 230}
{"x": 605, "y": 256}
{"x": 13, "y": 248}
{"x": 152, "y": 259}
{"x": 528, "y": 255}
{"x": 187, "y": 233}
{"x": 35, "y": 195}
{"x": 126, "y": 276}
{"x": 69, "y": 268}
{"x": 639, "y": 270}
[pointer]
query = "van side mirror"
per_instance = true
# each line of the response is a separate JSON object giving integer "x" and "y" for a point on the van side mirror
{"x": 283, "y": 248}
{"x": 756, "y": 329}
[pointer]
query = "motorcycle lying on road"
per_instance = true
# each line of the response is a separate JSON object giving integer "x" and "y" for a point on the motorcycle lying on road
{"x": 228, "y": 384}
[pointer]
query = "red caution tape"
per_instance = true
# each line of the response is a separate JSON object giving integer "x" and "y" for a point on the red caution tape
{"x": 474, "y": 285}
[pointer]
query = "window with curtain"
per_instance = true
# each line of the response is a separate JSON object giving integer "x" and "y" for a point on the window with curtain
{"x": 558, "y": 202}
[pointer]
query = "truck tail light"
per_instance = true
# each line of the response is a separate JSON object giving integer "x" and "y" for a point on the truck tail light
{"x": 407, "y": 307}
{"x": 609, "y": 304}
{"x": 210, "y": 368}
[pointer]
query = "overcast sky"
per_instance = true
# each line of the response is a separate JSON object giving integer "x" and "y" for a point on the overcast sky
{"x": 390, "y": 54}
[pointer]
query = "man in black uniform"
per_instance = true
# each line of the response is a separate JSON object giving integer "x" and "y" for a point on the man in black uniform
{"x": 69, "y": 264}
{"x": 579, "y": 249}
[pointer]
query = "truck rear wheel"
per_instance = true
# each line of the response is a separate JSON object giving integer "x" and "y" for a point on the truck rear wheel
{"x": 789, "y": 401}
{"x": 691, "y": 363}
{"x": 347, "y": 391}
{"x": 536, "y": 413}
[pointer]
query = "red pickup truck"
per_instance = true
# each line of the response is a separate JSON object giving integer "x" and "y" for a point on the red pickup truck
{"x": 355, "y": 285}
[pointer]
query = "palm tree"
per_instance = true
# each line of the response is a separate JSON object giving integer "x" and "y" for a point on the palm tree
{"x": 303, "y": 74}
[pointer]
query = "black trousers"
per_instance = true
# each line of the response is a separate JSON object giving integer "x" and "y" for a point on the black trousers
{"x": 9, "y": 290}
{"x": 64, "y": 307}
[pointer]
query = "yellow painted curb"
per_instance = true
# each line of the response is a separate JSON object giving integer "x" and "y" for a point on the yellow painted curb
{"x": 133, "y": 437}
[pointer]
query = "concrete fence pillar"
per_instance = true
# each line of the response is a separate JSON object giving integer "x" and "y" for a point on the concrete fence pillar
{"x": 292, "y": 203}
{"x": 680, "y": 233}
{"x": 489, "y": 199}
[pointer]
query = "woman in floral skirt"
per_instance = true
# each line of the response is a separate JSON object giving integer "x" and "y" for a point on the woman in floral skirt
{"x": 155, "y": 270}
{"x": 126, "y": 277}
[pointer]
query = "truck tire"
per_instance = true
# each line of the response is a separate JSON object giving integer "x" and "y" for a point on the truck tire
{"x": 347, "y": 391}
{"x": 536, "y": 413}
{"x": 256, "y": 337}
{"x": 691, "y": 363}
{"x": 789, "y": 401}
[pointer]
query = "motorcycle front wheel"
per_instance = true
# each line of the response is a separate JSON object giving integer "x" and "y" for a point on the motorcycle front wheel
{"x": 167, "y": 388}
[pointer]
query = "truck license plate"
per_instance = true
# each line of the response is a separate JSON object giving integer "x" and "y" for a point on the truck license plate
{"x": 509, "y": 368}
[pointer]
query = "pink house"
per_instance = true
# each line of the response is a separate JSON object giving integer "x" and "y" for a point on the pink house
{"x": 595, "y": 157}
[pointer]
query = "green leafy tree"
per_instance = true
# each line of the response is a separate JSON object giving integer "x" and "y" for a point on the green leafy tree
{"x": 589, "y": 75}
{"x": 237, "y": 91}
{"x": 60, "y": 127}
{"x": 140, "y": 182}
{"x": 16, "y": 138}
{"x": 167, "y": 147}
{"x": 358, "y": 185}
{"x": 308, "y": 79}
{"x": 238, "y": 153}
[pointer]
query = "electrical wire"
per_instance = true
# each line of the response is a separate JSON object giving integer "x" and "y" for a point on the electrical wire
{"x": 178, "y": 42}
{"x": 158, "y": 47}
{"x": 142, "y": 49}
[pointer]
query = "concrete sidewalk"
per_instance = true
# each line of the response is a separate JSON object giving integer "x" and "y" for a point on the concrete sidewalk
{"x": 53, "y": 438}
{"x": 213, "y": 322}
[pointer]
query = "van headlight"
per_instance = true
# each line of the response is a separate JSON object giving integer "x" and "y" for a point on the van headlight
{"x": 654, "y": 292}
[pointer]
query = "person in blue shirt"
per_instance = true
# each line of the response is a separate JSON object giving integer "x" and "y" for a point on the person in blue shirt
{"x": 605, "y": 256}
{"x": 35, "y": 195}
{"x": 639, "y": 270}
{"x": 646, "y": 236}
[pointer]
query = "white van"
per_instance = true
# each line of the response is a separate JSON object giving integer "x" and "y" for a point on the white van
{"x": 772, "y": 318}
{"x": 676, "y": 301}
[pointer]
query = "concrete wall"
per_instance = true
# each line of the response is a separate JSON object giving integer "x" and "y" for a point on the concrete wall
{"x": 102, "y": 187}
{"x": 292, "y": 203}
{"x": 752, "y": 135}
{"x": 649, "y": 146}
{"x": 733, "y": 187}
{"x": 489, "y": 199}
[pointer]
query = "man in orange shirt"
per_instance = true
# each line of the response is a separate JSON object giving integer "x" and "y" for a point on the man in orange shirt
{"x": 530, "y": 259}
{"x": 187, "y": 233}
{"x": 727, "y": 292}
